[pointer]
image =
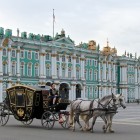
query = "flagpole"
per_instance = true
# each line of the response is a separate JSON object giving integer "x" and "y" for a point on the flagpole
{"x": 53, "y": 24}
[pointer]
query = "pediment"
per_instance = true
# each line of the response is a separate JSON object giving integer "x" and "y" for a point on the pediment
{"x": 64, "y": 40}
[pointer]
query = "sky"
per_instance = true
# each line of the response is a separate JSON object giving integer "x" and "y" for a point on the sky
{"x": 83, "y": 20}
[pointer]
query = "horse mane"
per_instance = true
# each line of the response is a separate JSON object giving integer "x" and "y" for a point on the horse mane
{"x": 105, "y": 97}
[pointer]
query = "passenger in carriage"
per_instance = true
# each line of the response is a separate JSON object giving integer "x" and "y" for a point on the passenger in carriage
{"x": 53, "y": 93}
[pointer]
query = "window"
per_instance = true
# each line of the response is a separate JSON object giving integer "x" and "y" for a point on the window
{"x": 47, "y": 56}
{"x": 36, "y": 55}
{"x": 77, "y": 74}
{"x": 36, "y": 70}
{"x": 77, "y": 60}
{"x": 29, "y": 55}
{"x": 4, "y": 68}
{"x": 90, "y": 62}
{"x": 22, "y": 69}
{"x": 48, "y": 71}
{"x": 91, "y": 92}
{"x": 69, "y": 73}
{"x": 13, "y": 69}
{"x": 4, "y": 52}
{"x": 29, "y": 70}
{"x": 90, "y": 75}
{"x": 22, "y": 54}
{"x": 69, "y": 59}
{"x": 95, "y": 76}
{"x": 57, "y": 58}
{"x": 13, "y": 53}
{"x": 63, "y": 58}
{"x": 95, "y": 63}
{"x": 58, "y": 70}
{"x": 63, "y": 72}
{"x": 85, "y": 74}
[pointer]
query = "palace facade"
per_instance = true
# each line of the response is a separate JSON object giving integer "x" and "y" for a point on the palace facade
{"x": 79, "y": 71}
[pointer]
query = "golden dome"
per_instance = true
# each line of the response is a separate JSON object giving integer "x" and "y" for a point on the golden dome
{"x": 114, "y": 50}
{"x": 92, "y": 45}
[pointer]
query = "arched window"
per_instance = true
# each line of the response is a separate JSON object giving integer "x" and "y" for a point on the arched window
{"x": 69, "y": 72}
{"x": 63, "y": 72}
{"x": 95, "y": 76}
{"x": 91, "y": 74}
{"x": 22, "y": 69}
{"x": 4, "y": 68}
{"x": 13, "y": 68}
{"x": 36, "y": 70}
{"x": 22, "y": 54}
{"x": 69, "y": 59}
{"x": 58, "y": 69}
{"x": 13, "y": 53}
{"x": 29, "y": 69}
{"x": 48, "y": 71}
{"x": 77, "y": 73}
{"x": 47, "y": 56}
{"x": 4, "y": 52}
{"x": 63, "y": 58}
{"x": 36, "y": 55}
{"x": 29, "y": 55}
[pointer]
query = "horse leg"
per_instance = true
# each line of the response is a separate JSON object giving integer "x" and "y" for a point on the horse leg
{"x": 110, "y": 128}
{"x": 108, "y": 122}
{"x": 93, "y": 122}
{"x": 77, "y": 119}
{"x": 105, "y": 121}
{"x": 71, "y": 119}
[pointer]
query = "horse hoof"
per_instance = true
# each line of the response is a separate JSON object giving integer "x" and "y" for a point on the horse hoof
{"x": 103, "y": 127}
{"x": 91, "y": 131}
{"x": 111, "y": 131}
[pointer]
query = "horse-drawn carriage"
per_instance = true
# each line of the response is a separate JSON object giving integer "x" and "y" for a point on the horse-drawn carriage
{"x": 26, "y": 103}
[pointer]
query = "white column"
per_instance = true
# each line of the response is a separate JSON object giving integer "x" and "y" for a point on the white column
{"x": 136, "y": 75}
{"x": 53, "y": 64}
{"x": 82, "y": 62}
{"x": 99, "y": 71}
{"x": 114, "y": 73}
{"x": 120, "y": 74}
{"x": 9, "y": 60}
{"x": 44, "y": 64}
{"x": 18, "y": 61}
{"x": 1, "y": 65}
{"x": 74, "y": 67}
{"x": 104, "y": 71}
{"x": 109, "y": 71}
{"x": 41, "y": 64}
{"x": 136, "y": 82}
{"x": 66, "y": 68}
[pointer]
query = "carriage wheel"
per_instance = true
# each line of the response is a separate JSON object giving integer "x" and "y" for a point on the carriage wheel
{"x": 27, "y": 122}
{"x": 64, "y": 120}
{"x": 4, "y": 114}
{"x": 48, "y": 120}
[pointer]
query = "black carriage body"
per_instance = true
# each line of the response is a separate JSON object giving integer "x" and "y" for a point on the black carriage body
{"x": 27, "y": 102}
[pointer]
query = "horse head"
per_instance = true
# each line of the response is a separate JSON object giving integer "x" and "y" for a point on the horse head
{"x": 120, "y": 101}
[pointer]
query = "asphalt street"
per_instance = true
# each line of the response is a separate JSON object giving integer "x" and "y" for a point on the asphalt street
{"x": 126, "y": 125}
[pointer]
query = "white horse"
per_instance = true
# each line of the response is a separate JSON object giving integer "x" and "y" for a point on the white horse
{"x": 88, "y": 109}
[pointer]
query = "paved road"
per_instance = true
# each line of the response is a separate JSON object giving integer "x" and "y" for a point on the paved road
{"x": 126, "y": 125}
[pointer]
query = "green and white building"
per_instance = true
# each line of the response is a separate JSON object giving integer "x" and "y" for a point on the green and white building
{"x": 79, "y": 71}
